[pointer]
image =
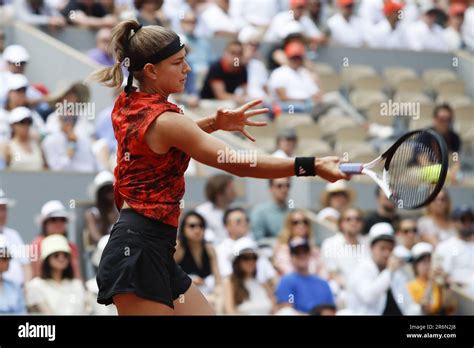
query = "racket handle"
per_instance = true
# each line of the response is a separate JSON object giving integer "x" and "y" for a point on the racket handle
{"x": 351, "y": 168}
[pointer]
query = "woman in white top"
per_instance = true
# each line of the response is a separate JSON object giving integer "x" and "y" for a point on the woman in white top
{"x": 23, "y": 152}
{"x": 436, "y": 225}
{"x": 56, "y": 292}
{"x": 243, "y": 293}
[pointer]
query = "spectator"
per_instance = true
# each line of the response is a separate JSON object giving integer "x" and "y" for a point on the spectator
{"x": 423, "y": 289}
{"x": 388, "y": 32}
{"x": 243, "y": 293}
{"x": 220, "y": 193}
{"x": 91, "y": 285}
{"x": 19, "y": 270}
{"x": 227, "y": 78}
{"x": 375, "y": 284}
{"x": 68, "y": 149}
{"x": 267, "y": 218}
{"x": 436, "y": 225}
{"x": 337, "y": 195}
{"x": 425, "y": 34}
{"x": 237, "y": 224}
{"x": 318, "y": 12}
{"x": 88, "y": 14}
{"x": 296, "y": 225}
{"x": 196, "y": 257}
{"x": 452, "y": 33}
{"x": 2, "y": 48}
{"x": 406, "y": 233}
{"x": 257, "y": 14}
{"x": 286, "y": 142}
{"x": 149, "y": 12}
{"x": 298, "y": 13}
{"x": 11, "y": 301}
{"x": 371, "y": 11}
{"x": 256, "y": 70}
{"x": 100, "y": 218}
{"x": 276, "y": 55}
{"x": 55, "y": 291}
{"x": 102, "y": 53}
{"x": 455, "y": 255}
{"x": 345, "y": 27}
{"x": 38, "y": 12}
{"x": 53, "y": 220}
{"x": 23, "y": 151}
{"x": 300, "y": 289}
{"x": 292, "y": 85}
{"x": 468, "y": 27}
{"x": 218, "y": 21}
{"x": 344, "y": 251}
{"x": 386, "y": 211}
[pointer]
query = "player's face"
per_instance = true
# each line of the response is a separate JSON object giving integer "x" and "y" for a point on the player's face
{"x": 169, "y": 76}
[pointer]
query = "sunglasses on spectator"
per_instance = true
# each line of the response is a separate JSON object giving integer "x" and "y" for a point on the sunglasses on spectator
{"x": 249, "y": 257}
{"x": 190, "y": 21}
{"x": 58, "y": 254}
{"x": 300, "y": 222}
{"x": 193, "y": 225}
{"x": 21, "y": 89}
{"x": 26, "y": 121}
{"x": 237, "y": 221}
{"x": 57, "y": 219}
{"x": 353, "y": 218}
{"x": 280, "y": 186}
{"x": 406, "y": 230}
{"x": 297, "y": 58}
{"x": 18, "y": 63}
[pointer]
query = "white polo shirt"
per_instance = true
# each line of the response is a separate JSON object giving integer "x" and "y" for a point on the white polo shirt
{"x": 298, "y": 84}
{"x": 214, "y": 19}
{"x": 468, "y": 28}
{"x": 346, "y": 33}
{"x": 371, "y": 11}
{"x": 251, "y": 12}
{"x": 282, "y": 19}
{"x": 420, "y": 37}
{"x": 382, "y": 35}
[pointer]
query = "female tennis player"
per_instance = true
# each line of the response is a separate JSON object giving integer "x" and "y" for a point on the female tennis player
{"x": 156, "y": 140}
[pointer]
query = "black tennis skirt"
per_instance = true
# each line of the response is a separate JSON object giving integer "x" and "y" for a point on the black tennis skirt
{"x": 139, "y": 259}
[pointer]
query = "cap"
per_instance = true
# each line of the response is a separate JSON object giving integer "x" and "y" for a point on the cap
{"x": 16, "y": 54}
{"x": 18, "y": 114}
{"x": 242, "y": 246}
{"x": 295, "y": 49}
{"x": 338, "y": 186}
{"x": 421, "y": 249}
{"x": 391, "y": 6}
{"x": 248, "y": 34}
{"x": 296, "y": 3}
{"x": 53, "y": 244}
{"x": 381, "y": 231}
{"x": 102, "y": 179}
{"x": 343, "y": 3}
{"x": 16, "y": 81}
{"x": 97, "y": 255}
{"x": 4, "y": 200}
{"x": 457, "y": 9}
{"x": 462, "y": 210}
{"x": 287, "y": 133}
{"x": 298, "y": 243}
{"x": 52, "y": 209}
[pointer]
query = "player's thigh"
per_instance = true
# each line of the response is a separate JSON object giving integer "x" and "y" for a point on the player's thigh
{"x": 131, "y": 304}
{"x": 192, "y": 302}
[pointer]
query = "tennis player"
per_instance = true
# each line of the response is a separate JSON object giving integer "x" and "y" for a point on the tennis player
{"x": 156, "y": 140}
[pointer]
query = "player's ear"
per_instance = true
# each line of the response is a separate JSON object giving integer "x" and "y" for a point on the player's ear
{"x": 150, "y": 71}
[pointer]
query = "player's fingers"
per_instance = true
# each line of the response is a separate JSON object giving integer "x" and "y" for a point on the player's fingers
{"x": 255, "y": 124}
{"x": 249, "y": 105}
{"x": 256, "y": 112}
{"x": 247, "y": 134}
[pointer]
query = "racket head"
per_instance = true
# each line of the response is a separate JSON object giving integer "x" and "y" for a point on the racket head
{"x": 416, "y": 167}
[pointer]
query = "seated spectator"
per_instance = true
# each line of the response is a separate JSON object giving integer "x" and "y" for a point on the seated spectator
{"x": 196, "y": 257}
{"x": 386, "y": 211}
{"x": 218, "y": 21}
{"x": 56, "y": 291}
{"x": 371, "y": 11}
{"x": 344, "y": 251}
{"x": 237, "y": 224}
{"x": 38, "y": 13}
{"x": 257, "y": 72}
{"x": 426, "y": 34}
{"x": 69, "y": 150}
{"x": 296, "y": 225}
{"x": 345, "y": 27}
{"x": 100, "y": 218}
{"x": 406, "y": 233}
{"x": 318, "y": 12}
{"x": 292, "y": 85}
{"x": 220, "y": 193}
{"x": 91, "y": 285}
{"x": 300, "y": 289}
{"x": 375, "y": 284}
{"x": 388, "y": 32}
{"x": 11, "y": 301}
{"x": 88, "y": 14}
{"x": 452, "y": 33}
{"x": 227, "y": 78}
{"x": 443, "y": 122}
{"x": 468, "y": 27}
{"x": 286, "y": 143}
{"x": 149, "y": 12}
{"x": 298, "y": 13}
{"x": 436, "y": 225}
{"x": 243, "y": 293}
{"x": 102, "y": 54}
{"x": 53, "y": 220}
{"x": 455, "y": 255}
{"x": 267, "y": 218}
{"x": 423, "y": 289}
{"x": 337, "y": 195}
{"x": 19, "y": 270}
{"x": 23, "y": 151}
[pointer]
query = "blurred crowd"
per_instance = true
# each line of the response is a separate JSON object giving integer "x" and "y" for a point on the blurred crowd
{"x": 270, "y": 259}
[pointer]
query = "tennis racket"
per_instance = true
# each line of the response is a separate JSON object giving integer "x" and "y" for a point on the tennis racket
{"x": 414, "y": 169}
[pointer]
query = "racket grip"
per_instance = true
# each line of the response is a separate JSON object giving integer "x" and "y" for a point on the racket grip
{"x": 351, "y": 168}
